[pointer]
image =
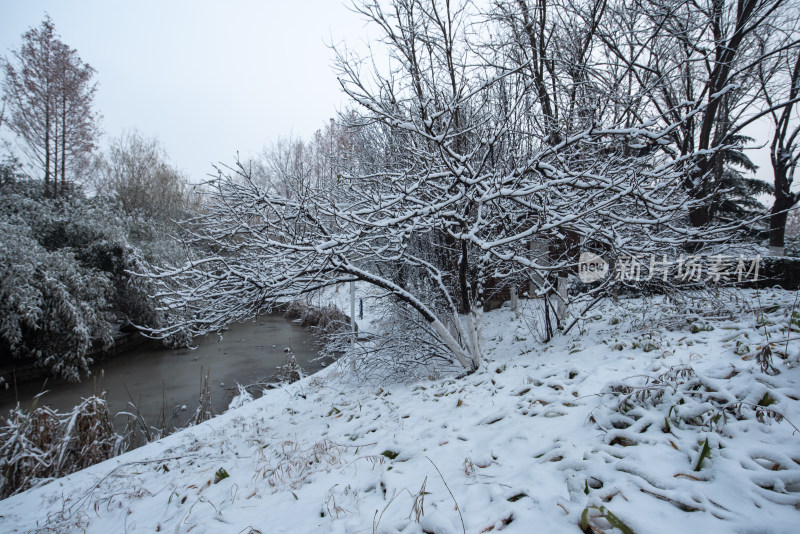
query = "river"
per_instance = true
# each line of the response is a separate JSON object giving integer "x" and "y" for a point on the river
{"x": 247, "y": 353}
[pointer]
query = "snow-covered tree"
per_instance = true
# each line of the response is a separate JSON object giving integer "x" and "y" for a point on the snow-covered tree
{"x": 451, "y": 200}
{"x": 292, "y": 164}
{"x": 53, "y": 311}
{"x": 694, "y": 65}
{"x": 779, "y": 79}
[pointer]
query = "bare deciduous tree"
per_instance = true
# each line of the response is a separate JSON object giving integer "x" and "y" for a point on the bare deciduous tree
{"x": 697, "y": 60}
{"x": 137, "y": 174}
{"x": 49, "y": 92}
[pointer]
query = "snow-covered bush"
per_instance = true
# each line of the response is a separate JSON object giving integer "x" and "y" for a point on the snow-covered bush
{"x": 65, "y": 282}
{"x": 51, "y": 308}
{"x": 400, "y": 347}
{"x": 41, "y": 444}
{"x": 205, "y": 410}
{"x": 289, "y": 371}
{"x": 326, "y": 320}
{"x": 88, "y": 436}
{"x": 28, "y": 444}
{"x": 240, "y": 399}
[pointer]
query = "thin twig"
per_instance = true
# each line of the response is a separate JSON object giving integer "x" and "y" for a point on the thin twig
{"x": 458, "y": 509}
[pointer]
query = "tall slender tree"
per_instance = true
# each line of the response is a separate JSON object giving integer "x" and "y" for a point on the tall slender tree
{"x": 50, "y": 92}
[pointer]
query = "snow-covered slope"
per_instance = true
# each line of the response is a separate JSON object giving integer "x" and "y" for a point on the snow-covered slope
{"x": 603, "y": 429}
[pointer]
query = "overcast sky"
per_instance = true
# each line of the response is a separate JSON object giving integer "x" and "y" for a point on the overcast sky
{"x": 206, "y": 78}
{"x": 210, "y": 78}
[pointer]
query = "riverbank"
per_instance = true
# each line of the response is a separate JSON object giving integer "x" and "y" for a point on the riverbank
{"x": 644, "y": 420}
{"x": 23, "y": 381}
{"x": 151, "y": 392}
{"x": 21, "y": 371}
{"x": 159, "y": 378}
{"x": 15, "y": 372}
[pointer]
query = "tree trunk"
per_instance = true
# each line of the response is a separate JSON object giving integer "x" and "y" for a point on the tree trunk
{"x": 463, "y": 285}
{"x": 64, "y": 149}
{"x": 777, "y": 226}
{"x": 467, "y": 361}
{"x": 515, "y": 301}
{"x": 47, "y": 154}
{"x": 778, "y": 216}
{"x": 562, "y": 295}
{"x": 470, "y": 358}
{"x": 55, "y": 156}
{"x": 784, "y": 198}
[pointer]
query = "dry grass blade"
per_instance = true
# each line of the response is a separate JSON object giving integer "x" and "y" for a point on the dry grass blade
{"x": 42, "y": 444}
{"x": 458, "y": 509}
{"x": 205, "y": 410}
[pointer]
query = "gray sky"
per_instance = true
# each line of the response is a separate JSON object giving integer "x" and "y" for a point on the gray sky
{"x": 206, "y": 78}
{"x": 210, "y": 78}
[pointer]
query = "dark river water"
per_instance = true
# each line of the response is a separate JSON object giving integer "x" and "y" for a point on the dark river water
{"x": 247, "y": 353}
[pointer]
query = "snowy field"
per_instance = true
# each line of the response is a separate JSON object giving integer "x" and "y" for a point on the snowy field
{"x": 641, "y": 419}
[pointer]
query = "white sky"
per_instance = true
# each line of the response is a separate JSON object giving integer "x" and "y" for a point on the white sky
{"x": 210, "y": 78}
{"x": 206, "y": 78}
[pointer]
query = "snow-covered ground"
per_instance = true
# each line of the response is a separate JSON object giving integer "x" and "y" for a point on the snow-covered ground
{"x": 605, "y": 428}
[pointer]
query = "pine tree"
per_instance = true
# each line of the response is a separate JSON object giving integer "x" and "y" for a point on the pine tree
{"x": 737, "y": 199}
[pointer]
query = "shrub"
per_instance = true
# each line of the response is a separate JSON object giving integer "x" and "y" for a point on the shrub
{"x": 51, "y": 309}
{"x": 41, "y": 444}
{"x": 402, "y": 347}
{"x": 328, "y": 319}
{"x": 65, "y": 276}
